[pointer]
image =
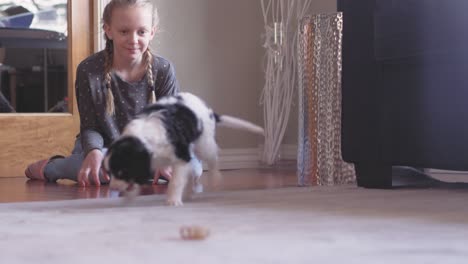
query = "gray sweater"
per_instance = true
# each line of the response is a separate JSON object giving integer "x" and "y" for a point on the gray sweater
{"x": 98, "y": 130}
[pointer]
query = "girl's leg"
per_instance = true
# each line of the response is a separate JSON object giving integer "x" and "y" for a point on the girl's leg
{"x": 68, "y": 167}
{"x": 65, "y": 168}
{"x": 57, "y": 167}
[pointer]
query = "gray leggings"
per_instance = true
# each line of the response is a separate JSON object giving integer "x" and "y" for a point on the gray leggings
{"x": 68, "y": 167}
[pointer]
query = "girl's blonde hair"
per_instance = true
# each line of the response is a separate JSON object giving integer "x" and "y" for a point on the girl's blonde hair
{"x": 148, "y": 56}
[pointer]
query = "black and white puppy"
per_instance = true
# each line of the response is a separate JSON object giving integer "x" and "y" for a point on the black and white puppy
{"x": 169, "y": 134}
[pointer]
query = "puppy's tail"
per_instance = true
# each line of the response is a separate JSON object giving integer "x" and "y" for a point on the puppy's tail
{"x": 237, "y": 123}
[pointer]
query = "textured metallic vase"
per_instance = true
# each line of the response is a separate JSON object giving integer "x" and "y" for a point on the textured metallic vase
{"x": 319, "y": 143}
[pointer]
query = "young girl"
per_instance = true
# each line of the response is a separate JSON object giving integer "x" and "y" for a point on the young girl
{"x": 111, "y": 87}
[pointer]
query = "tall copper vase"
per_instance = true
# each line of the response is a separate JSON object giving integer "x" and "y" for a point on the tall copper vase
{"x": 319, "y": 144}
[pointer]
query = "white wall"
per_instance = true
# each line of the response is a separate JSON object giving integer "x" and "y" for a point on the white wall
{"x": 216, "y": 47}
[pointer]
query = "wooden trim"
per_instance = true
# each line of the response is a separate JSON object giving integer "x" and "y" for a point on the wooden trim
{"x": 25, "y": 138}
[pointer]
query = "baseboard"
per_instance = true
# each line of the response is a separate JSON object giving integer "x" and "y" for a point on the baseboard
{"x": 247, "y": 158}
{"x": 239, "y": 158}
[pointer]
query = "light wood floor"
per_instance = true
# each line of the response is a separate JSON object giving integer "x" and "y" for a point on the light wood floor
{"x": 19, "y": 189}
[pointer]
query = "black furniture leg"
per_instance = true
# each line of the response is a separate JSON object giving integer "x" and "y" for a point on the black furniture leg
{"x": 373, "y": 175}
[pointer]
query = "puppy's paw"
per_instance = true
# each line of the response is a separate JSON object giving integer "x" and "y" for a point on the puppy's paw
{"x": 132, "y": 191}
{"x": 197, "y": 188}
{"x": 174, "y": 202}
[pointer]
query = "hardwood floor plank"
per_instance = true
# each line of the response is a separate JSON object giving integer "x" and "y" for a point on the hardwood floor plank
{"x": 18, "y": 189}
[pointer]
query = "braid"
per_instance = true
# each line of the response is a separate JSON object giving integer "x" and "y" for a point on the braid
{"x": 110, "y": 107}
{"x": 149, "y": 73}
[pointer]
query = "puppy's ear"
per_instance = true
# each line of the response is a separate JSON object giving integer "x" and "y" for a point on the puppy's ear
{"x": 105, "y": 164}
{"x": 158, "y": 114}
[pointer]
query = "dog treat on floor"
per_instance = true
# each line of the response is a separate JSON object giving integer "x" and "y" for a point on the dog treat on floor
{"x": 194, "y": 232}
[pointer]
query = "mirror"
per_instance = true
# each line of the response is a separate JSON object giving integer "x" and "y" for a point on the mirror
{"x": 25, "y": 137}
{"x": 33, "y": 56}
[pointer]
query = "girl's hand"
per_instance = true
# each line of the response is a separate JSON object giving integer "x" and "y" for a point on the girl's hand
{"x": 90, "y": 168}
{"x": 165, "y": 172}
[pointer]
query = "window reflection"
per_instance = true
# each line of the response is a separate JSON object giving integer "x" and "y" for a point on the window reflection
{"x": 39, "y": 14}
{"x": 33, "y": 56}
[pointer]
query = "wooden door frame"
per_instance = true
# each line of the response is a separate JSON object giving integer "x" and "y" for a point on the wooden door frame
{"x": 25, "y": 138}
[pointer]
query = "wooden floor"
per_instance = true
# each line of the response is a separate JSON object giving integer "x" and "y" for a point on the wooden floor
{"x": 18, "y": 189}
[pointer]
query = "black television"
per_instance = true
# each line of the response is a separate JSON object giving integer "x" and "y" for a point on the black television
{"x": 404, "y": 86}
